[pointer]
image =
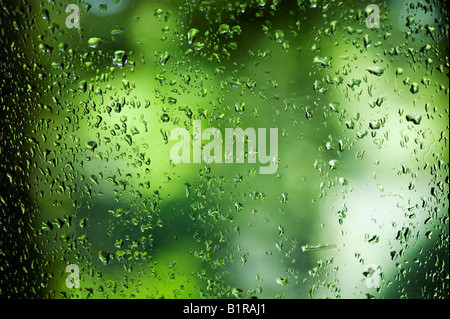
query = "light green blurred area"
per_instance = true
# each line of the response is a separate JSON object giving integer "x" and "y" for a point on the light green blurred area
{"x": 224, "y": 230}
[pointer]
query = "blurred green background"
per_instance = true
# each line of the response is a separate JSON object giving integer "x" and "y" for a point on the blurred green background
{"x": 362, "y": 116}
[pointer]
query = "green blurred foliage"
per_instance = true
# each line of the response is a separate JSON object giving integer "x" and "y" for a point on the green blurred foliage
{"x": 358, "y": 172}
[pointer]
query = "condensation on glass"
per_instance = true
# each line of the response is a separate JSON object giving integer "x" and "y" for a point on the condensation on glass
{"x": 94, "y": 94}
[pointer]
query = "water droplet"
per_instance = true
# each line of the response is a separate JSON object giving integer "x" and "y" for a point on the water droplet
{"x": 324, "y": 61}
{"x": 120, "y": 58}
{"x": 279, "y": 35}
{"x": 350, "y": 124}
{"x": 117, "y": 31}
{"x": 374, "y": 239}
{"x": 377, "y": 70}
{"x": 225, "y": 29}
{"x": 192, "y": 34}
{"x": 333, "y": 164}
{"x": 409, "y": 21}
{"x": 415, "y": 118}
{"x": 319, "y": 247}
{"x": 92, "y": 145}
{"x": 164, "y": 58}
{"x": 414, "y": 88}
{"x": 282, "y": 281}
{"x": 239, "y": 107}
{"x": 82, "y": 86}
{"x": 94, "y": 42}
{"x": 165, "y": 117}
{"x": 104, "y": 257}
{"x": 375, "y": 125}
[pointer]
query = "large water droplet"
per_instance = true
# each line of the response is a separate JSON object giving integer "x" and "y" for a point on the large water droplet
{"x": 415, "y": 118}
{"x": 94, "y": 42}
{"x": 120, "y": 58}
